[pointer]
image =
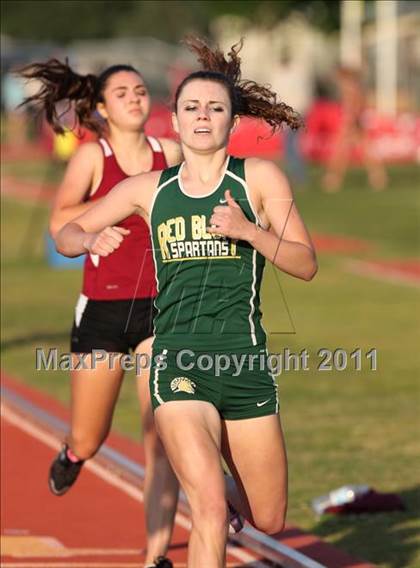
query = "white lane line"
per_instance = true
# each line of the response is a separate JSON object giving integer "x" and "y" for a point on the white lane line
{"x": 71, "y": 564}
{"x": 103, "y": 473}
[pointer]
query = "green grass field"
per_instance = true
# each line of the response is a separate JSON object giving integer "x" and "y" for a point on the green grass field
{"x": 341, "y": 426}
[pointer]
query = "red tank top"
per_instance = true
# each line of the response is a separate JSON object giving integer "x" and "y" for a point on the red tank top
{"x": 129, "y": 271}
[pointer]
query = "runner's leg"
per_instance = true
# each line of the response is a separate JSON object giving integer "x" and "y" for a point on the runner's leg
{"x": 193, "y": 447}
{"x": 160, "y": 484}
{"x": 94, "y": 393}
{"x": 255, "y": 452}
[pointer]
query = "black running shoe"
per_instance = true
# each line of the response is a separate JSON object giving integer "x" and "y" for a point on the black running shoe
{"x": 163, "y": 562}
{"x": 63, "y": 473}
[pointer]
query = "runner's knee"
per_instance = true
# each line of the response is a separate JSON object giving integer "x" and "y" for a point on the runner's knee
{"x": 84, "y": 446}
{"x": 271, "y": 521}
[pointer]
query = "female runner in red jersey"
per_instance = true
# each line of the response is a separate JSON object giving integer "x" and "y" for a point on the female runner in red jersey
{"x": 114, "y": 313}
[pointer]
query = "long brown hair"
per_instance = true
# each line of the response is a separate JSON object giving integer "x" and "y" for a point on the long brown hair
{"x": 60, "y": 83}
{"x": 247, "y": 98}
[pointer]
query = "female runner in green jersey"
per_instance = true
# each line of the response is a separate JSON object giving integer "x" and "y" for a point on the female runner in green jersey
{"x": 214, "y": 220}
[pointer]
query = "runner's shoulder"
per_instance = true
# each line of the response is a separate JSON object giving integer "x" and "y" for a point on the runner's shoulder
{"x": 265, "y": 174}
{"x": 89, "y": 151}
{"x": 172, "y": 150}
{"x": 255, "y": 164}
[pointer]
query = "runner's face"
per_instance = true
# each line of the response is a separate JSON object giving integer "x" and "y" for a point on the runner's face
{"x": 203, "y": 117}
{"x": 126, "y": 101}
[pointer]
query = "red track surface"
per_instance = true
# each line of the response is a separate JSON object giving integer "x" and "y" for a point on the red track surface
{"x": 95, "y": 516}
{"x": 405, "y": 271}
{"x": 97, "y": 525}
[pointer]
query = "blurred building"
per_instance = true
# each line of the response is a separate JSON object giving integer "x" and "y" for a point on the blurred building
{"x": 292, "y": 55}
{"x": 368, "y": 31}
{"x": 404, "y": 34}
{"x": 288, "y": 56}
{"x": 154, "y": 58}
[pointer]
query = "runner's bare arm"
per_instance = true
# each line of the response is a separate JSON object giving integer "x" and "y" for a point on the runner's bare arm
{"x": 81, "y": 174}
{"x": 285, "y": 242}
{"x": 94, "y": 230}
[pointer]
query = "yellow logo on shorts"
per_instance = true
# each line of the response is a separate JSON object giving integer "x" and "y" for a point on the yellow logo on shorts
{"x": 182, "y": 384}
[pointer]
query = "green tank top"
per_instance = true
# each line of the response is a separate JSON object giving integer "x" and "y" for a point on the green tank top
{"x": 208, "y": 285}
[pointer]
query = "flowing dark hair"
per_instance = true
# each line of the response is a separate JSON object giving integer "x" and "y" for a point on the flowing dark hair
{"x": 247, "y": 98}
{"x": 60, "y": 83}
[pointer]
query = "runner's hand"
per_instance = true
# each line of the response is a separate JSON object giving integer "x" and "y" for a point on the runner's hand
{"x": 229, "y": 220}
{"x": 106, "y": 241}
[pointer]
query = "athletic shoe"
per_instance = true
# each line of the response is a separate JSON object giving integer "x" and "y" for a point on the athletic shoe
{"x": 236, "y": 520}
{"x": 63, "y": 472}
{"x": 160, "y": 562}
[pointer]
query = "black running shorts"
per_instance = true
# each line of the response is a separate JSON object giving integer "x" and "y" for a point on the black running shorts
{"x": 116, "y": 326}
